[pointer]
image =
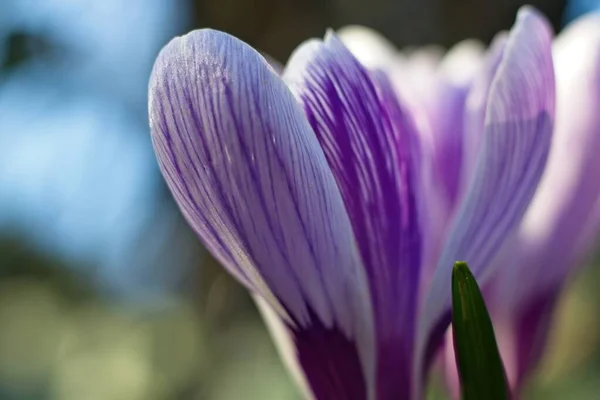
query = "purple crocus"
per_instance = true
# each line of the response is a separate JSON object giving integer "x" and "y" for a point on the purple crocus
{"x": 338, "y": 201}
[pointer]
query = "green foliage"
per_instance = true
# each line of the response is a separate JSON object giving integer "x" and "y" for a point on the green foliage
{"x": 477, "y": 356}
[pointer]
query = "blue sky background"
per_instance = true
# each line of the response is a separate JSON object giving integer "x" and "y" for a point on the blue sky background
{"x": 78, "y": 176}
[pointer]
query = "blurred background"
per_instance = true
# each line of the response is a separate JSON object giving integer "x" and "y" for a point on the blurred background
{"x": 105, "y": 294}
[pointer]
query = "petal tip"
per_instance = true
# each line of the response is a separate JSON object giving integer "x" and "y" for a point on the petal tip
{"x": 332, "y": 39}
{"x": 528, "y": 11}
{"x": 530, "y": 15}
{"x": 329, "y": 34}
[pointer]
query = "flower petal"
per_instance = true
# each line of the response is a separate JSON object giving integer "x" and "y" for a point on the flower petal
{"x": 445, "y": 108}
{"x": 516, "y": 141}
{"x": 250, "y": 177}
{"x": 475, "y": 108}
{"x": 569, "y": 189}
{"x": 459, "y": 123}
{"x": 559, "y": 228}
{"x": 322, "y": 360}
{"x": 368, "y": 142}
{"x": 441, "y": 98}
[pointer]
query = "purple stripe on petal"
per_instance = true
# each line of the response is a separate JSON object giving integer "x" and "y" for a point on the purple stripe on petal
{"x": 366, "y": 138}
{"x": 250, "y": 177}
{"x": 516, "y": 142}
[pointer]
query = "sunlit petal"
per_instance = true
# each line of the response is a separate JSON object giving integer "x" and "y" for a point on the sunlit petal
{"x": 251, "y": 179}
{"x": 517, "y": 135}
{"x": 366, "y": 138}
{"x": 562, "y": 222}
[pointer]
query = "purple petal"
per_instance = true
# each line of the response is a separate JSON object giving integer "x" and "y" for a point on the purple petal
{"x": 366, "y": 138}
{"x": 440, "y": 99}
{"x": 555, "y": 224}
{"x": 331, "y": 362}
{"x": 516, "y": 141}
{"x": 416, "y": 80}
{"x": 435, "y": 88}
{"x": 461, "y": 105}
{"x": 559, "y": 229}
{"x": 249, "y": 176}
{"x": 458, "y": 153}
{"x": 475, "y": 108}
{"x": 445, "y": 108}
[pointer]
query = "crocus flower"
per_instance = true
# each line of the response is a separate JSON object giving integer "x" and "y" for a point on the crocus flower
{"x": 336, "y": 203}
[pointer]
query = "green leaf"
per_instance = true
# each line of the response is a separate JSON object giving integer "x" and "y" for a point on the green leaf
{"x": 477, "y": 356}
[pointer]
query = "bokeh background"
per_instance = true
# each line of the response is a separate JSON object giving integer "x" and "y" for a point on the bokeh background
{"x": 105, "y": 294}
